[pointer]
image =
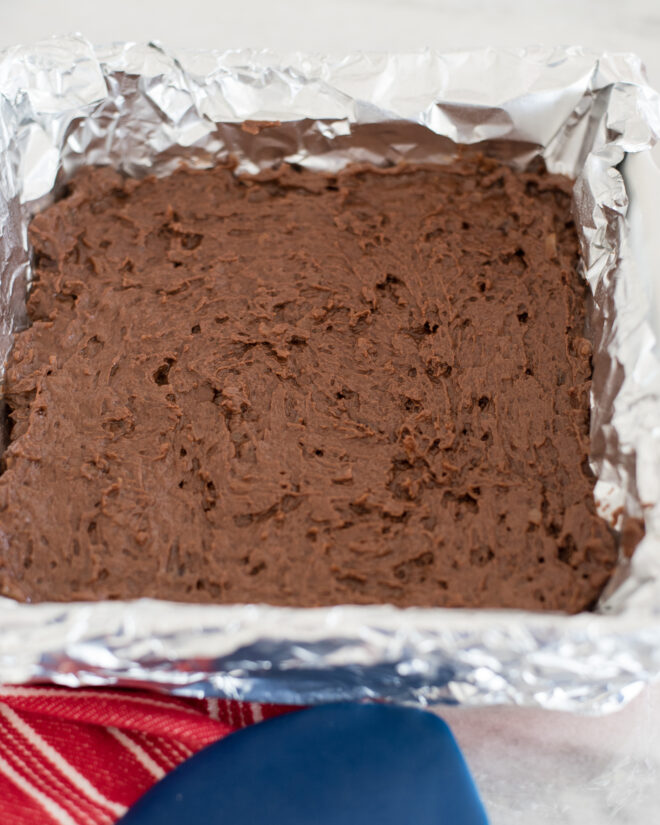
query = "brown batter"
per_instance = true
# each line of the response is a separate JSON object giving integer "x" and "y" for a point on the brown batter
{"x": 305, "y": 390}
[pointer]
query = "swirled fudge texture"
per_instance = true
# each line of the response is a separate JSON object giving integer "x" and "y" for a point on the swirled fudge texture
{"x": 305, "y": 389}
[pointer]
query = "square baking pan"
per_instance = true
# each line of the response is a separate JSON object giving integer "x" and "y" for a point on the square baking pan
{"x": 144, "y": 110}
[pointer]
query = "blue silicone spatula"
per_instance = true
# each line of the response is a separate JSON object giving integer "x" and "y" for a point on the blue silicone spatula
{"x": 341, "y": 764}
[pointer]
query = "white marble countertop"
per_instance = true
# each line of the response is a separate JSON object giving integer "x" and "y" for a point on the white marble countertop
{"x": 531, "y": 766}
{"x": 342, "y": 25}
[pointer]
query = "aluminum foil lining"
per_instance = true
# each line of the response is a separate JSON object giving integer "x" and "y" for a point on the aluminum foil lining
{"x": 143, "y": 109}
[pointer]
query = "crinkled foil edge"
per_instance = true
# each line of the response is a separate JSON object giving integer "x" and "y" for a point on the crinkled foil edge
{"x": 64, "y": 103}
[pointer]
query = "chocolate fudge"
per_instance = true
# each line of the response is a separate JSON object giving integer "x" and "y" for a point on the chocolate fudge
{"x": 305, "y": 389}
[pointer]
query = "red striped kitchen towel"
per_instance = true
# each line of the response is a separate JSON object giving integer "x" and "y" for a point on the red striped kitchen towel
{"x": 83, "y": 756}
